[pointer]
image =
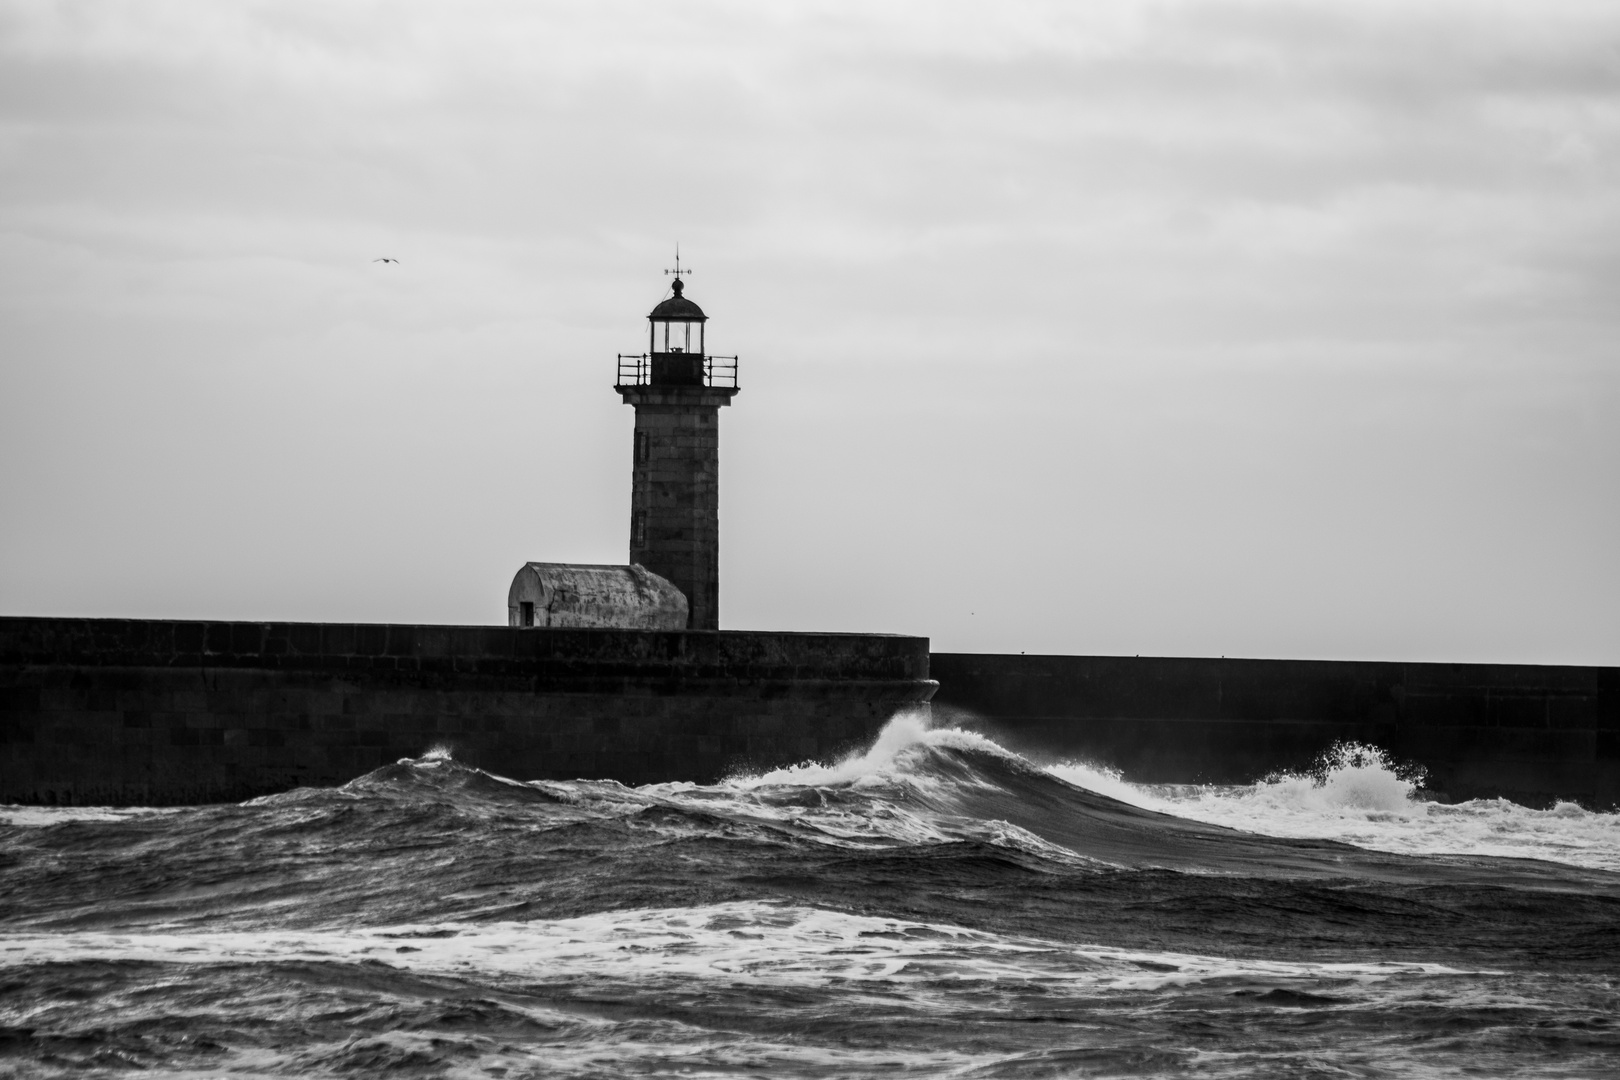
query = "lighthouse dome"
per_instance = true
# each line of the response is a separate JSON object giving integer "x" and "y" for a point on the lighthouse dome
{"x": 678, "y": 308}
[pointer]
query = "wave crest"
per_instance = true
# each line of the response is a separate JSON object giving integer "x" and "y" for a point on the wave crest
{"x": 897, "y": 753}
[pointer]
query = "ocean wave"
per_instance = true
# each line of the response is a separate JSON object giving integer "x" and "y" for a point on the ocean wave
{"x": 932, "y": 903}
{"x": 918, "y": 782}
{"x": 1357, "y": 794}
{"x": 757, "y": 987}
{"x": 752, "y": 942}
{"x": 434, "y": 838}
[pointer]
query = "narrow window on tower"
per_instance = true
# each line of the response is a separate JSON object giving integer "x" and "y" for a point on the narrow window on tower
{"x": 640, "y": 531}
{"x": 642, "y": 449}
{"x": 526, "y": 612}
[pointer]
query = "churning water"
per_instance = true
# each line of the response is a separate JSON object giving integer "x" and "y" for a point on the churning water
{"x": 934, "y": 906}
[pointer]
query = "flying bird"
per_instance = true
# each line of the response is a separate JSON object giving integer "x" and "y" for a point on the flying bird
{"x": 385, "y": 260}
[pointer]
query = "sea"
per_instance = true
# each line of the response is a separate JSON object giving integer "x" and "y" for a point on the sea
{"x": 931, "y": 905}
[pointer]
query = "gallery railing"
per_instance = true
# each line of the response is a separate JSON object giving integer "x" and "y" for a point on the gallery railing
{"x": 720, "y": 371}
{"x": 638, "y": 370}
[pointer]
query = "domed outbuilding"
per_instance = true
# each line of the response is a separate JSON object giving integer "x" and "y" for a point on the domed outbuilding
{"x": 585, "y": 596}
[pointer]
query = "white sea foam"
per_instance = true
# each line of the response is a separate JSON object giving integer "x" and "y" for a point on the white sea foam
{"x": 1356, "y": 795}
{"x": 887, "y": 771}
{"x": 885, "y": 761}
{"x": 746, "y": 942}
{"x": 1359, "y": 797}
{"x": 43, "y": 816}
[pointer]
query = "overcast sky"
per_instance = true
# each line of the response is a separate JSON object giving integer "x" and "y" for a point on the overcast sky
{"x": 1207, "y": 328}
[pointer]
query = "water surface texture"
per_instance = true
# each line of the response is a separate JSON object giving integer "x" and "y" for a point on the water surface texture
{"x": 932, "y": 906}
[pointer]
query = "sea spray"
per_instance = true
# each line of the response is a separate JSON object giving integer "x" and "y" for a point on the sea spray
{"x": 1358, "y": 794}
{"x": 1105, "y": 780}
{"x": 1353, "y": 792}
{"x": 919, "y": 907}
{"x": 881, "y": 762}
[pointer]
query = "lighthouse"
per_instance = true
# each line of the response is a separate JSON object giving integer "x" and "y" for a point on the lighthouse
{"x": 677, "y": 390}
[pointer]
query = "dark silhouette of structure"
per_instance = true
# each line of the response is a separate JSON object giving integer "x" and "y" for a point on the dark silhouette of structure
{"x": 159, "y": 712}
{"x": 677, "y": 389}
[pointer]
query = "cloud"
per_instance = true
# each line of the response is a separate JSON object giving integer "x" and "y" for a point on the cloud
{"x": 1169, "y": 248}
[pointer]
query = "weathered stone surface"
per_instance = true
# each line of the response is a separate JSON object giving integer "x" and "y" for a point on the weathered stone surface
{"x": 675, "y": 490}
{"x": 1526, "y": 732}
{"x": 582, "y": 596}
{"x": 324, "y": 704}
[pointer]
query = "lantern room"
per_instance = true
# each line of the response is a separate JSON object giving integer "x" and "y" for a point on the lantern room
{"x": 675, "y": 341}
{"x": 676, "y": 325}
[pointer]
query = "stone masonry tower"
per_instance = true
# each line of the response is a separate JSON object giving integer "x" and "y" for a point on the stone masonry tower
{"x": 677, "y": 389}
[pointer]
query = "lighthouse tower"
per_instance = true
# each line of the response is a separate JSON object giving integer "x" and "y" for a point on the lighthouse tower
{"x": 677, "y": 389}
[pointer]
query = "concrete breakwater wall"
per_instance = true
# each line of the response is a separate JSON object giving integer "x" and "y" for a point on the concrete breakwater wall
{"x": 115, "y": 711}
{"x": 112, "y": 711}
{"x": 1525, "y": 732}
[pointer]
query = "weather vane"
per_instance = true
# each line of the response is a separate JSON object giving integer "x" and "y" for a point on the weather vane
{"x": 678, "y": 271}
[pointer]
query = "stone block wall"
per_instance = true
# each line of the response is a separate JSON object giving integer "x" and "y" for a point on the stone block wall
{"x": 108, "y": 711}
{"x": 675, "y": 491}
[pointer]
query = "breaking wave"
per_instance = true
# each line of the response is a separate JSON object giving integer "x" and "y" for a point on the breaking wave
{"x": 1357, "y": 794}
{"x": 931, "y": 904}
